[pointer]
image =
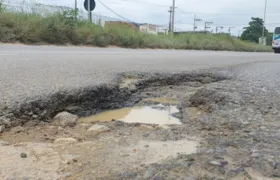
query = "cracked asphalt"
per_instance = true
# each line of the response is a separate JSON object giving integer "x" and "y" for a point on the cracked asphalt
{"x": 28, "y": 71}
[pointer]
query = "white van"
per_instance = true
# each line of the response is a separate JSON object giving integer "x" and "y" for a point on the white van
{"x": 276, "y": 40}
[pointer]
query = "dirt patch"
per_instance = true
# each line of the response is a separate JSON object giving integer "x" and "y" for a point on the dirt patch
{"x": 41, "y": 161}
{"x": 85, "y": 156}
{"x": 148, "y": 152}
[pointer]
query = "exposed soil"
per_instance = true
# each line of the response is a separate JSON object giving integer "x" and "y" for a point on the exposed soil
{"x": 224, "y": 134}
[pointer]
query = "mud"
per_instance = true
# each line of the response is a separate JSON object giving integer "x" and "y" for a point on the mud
{"x": 224, "y": 134}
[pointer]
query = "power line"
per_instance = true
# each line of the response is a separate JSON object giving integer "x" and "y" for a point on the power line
{"x": 226, "y": 25}
{"x": 114, "y": 11}
{"x": 223, "y": 13}
{"x": 145, "y": 2}
{"x": 190, "y": 12}
{"x": 121, "y": 15}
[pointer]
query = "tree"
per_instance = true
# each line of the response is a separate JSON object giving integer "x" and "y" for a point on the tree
{"x": 269, "y": 38}
{"x": 254, "y": 31}
{"x": 2, "y": 8}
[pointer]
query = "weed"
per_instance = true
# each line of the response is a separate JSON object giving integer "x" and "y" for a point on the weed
{"x": 64, "y": 28}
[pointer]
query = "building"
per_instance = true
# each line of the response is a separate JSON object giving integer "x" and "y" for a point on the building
{"x": 142, "y": 27}
{"x": 133, "y": 26}
{"x": 148, "y": 28}
{"x": 190, "y": 32}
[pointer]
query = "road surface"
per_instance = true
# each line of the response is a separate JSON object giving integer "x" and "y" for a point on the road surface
{"x": 27, "y": 71}
{"x": 236, "y": 121}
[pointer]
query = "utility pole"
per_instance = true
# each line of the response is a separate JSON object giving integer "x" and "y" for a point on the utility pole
{"x": 240, "y": 33}
{"x": 173, "y": 16}
{"x": 264, "y": 17}
{"x": 76, "y": 10}
{"x": 99, "y": 21}
{"x": 170, "y": 19}
{"x": 229, "y": 30}
{"x": 206, "y": 26}
{"x": 218, "y": 27}
{"x": 262, "y": 40}
{"x": 194, "y": 22}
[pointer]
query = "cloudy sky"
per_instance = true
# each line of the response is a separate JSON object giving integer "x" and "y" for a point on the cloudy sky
{"x": 226, "y": 13}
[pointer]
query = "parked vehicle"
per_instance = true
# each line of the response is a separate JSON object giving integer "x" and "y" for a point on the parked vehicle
{"x": 276, "y": 40}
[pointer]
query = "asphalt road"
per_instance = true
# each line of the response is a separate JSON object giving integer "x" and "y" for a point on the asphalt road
{"x": 27, "y": 71}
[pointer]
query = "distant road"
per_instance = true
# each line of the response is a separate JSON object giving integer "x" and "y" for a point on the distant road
{"x": 31, "y": 70}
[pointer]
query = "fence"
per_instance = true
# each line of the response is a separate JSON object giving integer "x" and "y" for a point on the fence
{"x": 26, "y": 6}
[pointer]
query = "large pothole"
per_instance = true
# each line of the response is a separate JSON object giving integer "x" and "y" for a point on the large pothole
{"x": 88, "y": 101}
{"x": 181, "y": 126}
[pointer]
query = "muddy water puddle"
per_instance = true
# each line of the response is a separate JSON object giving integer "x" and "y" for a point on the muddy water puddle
{"x": 158, "y": 114}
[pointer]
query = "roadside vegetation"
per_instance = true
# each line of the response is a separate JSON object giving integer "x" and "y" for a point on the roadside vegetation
{"x": 63, "y": 29}
{"x": 254, "y": 31}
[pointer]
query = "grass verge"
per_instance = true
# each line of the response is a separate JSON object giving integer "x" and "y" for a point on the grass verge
{"x": 63, "y": 29}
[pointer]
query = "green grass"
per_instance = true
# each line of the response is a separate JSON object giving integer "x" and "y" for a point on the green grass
{"x": 62, "y": 29}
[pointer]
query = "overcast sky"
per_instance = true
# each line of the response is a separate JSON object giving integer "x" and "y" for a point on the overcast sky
{"x": 227, "y": 13}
